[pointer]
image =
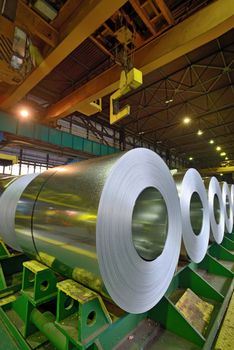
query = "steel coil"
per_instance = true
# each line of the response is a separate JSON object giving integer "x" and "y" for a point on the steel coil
{"x": 8, "y": 202}
{"x": 111, "y": 223}
{"x": 228, "y": 208}
{"x": 216, "y": 209}
{"x": 195, "y": 213}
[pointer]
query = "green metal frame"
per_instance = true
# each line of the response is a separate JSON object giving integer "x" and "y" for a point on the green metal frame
{"x": 4, "y": 252}
{"x": 170, "y": 316}
{"x": 69, "y": 316}
{"x": 27, "y": 129}
{"x": 11, "y": 266}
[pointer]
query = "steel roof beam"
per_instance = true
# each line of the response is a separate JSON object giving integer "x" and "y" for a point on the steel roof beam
{"x": 91, "y": 15}
{"x": 222, "y": 170}
{"x": 143, "y": 16}
{"x": 197, "y": 117}
{"x": 190, "y": 103}
{"x": 205, "y": 25}
{"x": 165, "y": 11}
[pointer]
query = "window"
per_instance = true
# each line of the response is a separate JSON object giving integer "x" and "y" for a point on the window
{"x": 7, "y": 170}
{"x": 24, "y": 169}
{"x": 31, "y": 169}
{"x": 15, "y": 169}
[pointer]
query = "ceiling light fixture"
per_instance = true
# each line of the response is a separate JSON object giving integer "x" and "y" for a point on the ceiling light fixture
{"x": 211, "y": 142}
{"x": 223, "y": 154}
{"x": 186, "y": 120}
{"x": 218, "y": 148}
{"x": 24, "y": 113}
{"x": 226, "y": 158}
{"x": 200, "y": 132}
{"x": 190, "y": 158}
{"x": 169, "y": 101}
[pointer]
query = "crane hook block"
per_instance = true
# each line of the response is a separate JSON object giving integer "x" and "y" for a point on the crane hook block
{"x": 128, "y": 81}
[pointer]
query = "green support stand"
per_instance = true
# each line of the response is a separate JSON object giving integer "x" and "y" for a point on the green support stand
{"x": 4, "y": 252}
{"x": 81, "y": 314}
{"x": 11, "y": 266}
{"x": 39, "y": 282}
{"x": 55, "y": 313}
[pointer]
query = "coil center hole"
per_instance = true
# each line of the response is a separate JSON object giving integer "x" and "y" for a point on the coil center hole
{"x": 196, "y": 213}
{"x": 228, "y": 208}
{"x": 216, "y": 209}
{"x": 149, "y": 224}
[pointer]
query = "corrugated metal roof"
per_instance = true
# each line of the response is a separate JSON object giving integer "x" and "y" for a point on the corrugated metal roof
{"x": 84, "y": 63}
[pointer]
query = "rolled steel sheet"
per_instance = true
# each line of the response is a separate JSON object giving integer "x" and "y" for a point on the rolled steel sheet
{"x": 232, "y": 197}
{"x": 8, "y": 202}
{"x": 216, "y": 209}
{"x": 228, "y": 208}
{"x": 111, "y": 223}
{"x": 195, "y": 213}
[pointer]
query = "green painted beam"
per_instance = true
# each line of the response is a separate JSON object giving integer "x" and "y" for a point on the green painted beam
{"x": 170, "y": 317}
{"x": 228, "y": 243}
{"x": 221, "y": 253}
{"x": 7, "y": 341}
{"x": 28, "y": 129}
{"x": 45, "y": 323}
{"x": 214, "y": 267}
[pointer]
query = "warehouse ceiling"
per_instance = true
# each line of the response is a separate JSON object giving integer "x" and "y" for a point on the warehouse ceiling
{"x": 83, "y": 42}
{"x": 198, "y": 86}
